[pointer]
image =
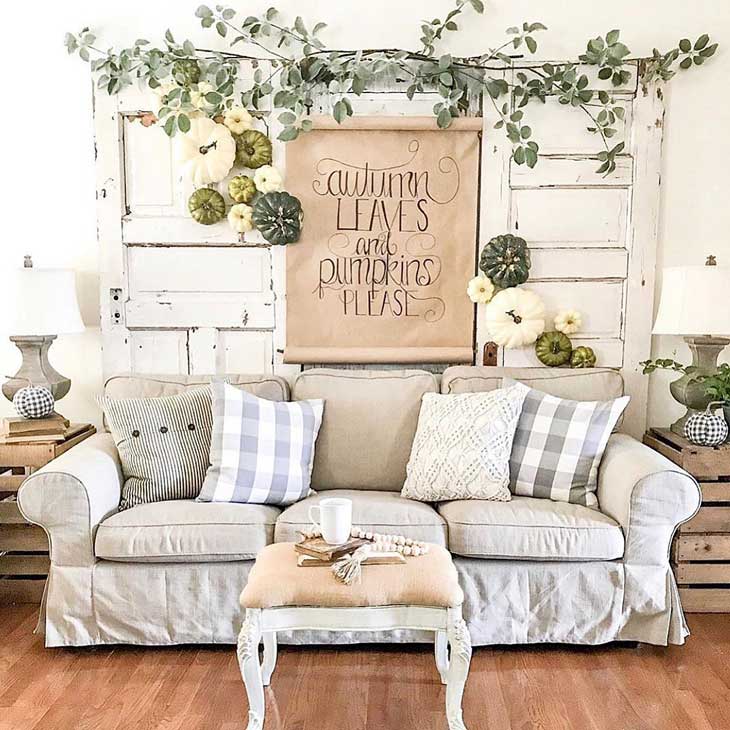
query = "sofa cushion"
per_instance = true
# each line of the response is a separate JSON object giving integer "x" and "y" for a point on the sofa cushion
{"x": 181, "y": 531}
{"x": 531, "y": 529}
{"x": 372, "y": 510}
{"x": 370, "y": 418}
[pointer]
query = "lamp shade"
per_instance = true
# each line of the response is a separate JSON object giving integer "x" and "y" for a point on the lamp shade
{"x": 43, "y": 302}
{"x": 694, "y": 301}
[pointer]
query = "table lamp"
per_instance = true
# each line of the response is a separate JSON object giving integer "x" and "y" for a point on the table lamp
{"x": 694, "y": 304}
{"x": 44, "y": 305}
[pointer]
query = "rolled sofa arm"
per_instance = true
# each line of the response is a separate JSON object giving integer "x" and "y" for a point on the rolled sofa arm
{"x": 71, "y": 495}
{"x": 648, "y": 495}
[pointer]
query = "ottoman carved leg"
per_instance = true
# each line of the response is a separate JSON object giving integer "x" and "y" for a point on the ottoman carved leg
{"x": 248, "y": 660}
{"x": 441, "y": 650}
{"x": 460, "y": 643}
{"x": 270, "y": 652}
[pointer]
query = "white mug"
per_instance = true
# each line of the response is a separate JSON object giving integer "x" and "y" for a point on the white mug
{"x": 335, "y": 519}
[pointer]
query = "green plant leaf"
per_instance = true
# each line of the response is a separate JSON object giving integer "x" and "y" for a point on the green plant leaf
{"x": 443, "y": 119}
{"x": 612, "y": 36}
{"x": 701, "y": 42}
{"x": 685, "y": 45}
{"x": 288, "y": 134}
{"x": 531, "y": 44}
{"x": 183, "y": 123}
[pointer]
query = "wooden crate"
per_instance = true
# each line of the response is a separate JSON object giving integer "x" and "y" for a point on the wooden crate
{"x": 24, "y": 561}
{"x": 701, "y": 551}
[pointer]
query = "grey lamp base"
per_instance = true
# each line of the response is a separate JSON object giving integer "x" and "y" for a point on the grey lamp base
{"x": 686, "y": 390}
{"x": 36, "y": 368}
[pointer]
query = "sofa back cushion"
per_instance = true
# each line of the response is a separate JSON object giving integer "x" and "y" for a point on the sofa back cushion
{"x": 589, "y": 384}
{"x": 370, "y": 419}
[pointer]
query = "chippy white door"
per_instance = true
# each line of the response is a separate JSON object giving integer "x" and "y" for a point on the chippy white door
{"x": 179, "y": 297}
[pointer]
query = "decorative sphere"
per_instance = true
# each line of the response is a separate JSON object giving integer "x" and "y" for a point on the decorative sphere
{"x": 33, "y": 401}
{"x": 706, "y": 429}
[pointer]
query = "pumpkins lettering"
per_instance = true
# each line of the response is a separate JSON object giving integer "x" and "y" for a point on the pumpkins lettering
{"x": 583, "y": 357}
{"x": 515, "y": 317}
{"x": 553, "y": 349}
{"x": 242, "y": 189}
{"x": 206, "y": 152}
{"x": 207, "y": 206}
{"x": 506, "y": 261}
{"x": 253, "y": 149}
{"x": 278, "y": 217}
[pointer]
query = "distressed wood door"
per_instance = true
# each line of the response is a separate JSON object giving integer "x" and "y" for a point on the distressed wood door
{"x": 178, "y": 297}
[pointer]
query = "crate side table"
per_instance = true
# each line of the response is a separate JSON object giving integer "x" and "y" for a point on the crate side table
{"x": 701, "y": 549}
{"x": 24, "y": 560}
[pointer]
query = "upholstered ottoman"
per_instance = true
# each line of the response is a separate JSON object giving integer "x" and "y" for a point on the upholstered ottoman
{"x": 423, "y": 593}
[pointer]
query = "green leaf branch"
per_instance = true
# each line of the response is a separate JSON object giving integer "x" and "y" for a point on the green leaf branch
{"x": 294, "y": 68}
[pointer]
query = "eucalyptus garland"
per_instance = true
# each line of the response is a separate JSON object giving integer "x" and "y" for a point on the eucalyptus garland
{"x": 293, "y": 65}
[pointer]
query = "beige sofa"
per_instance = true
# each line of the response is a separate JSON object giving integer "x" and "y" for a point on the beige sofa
{"x": 532, "y": 570}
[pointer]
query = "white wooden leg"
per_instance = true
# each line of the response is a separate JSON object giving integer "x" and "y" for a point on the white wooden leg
{"x": 270, "y": 652}
{"x": 248, "y": 660}
{"x": 441, "y": 650}
{"x": 460, "y": 643}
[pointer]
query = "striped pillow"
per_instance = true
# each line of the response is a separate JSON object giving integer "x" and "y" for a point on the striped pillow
{"x": 163, "y": 444}
{"x": 558, "y": 446}
{"x": 261, "y": 451}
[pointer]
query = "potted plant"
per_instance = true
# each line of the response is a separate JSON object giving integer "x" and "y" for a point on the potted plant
{"x": 717, "y": 386}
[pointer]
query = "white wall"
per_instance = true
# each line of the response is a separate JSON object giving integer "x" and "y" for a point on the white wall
{"x": 48, "y": 152}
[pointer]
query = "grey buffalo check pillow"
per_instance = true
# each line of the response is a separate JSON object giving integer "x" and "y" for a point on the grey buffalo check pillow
{"x": 261, "y": 451}
{"x": 558, "y": 447}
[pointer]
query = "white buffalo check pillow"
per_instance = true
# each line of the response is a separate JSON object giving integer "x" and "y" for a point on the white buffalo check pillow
{"x": 261, "y": 451}
{"x": 558, "y": 447}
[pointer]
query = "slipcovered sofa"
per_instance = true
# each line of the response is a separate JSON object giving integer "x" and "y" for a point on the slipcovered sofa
{"x": 532, "y": 570}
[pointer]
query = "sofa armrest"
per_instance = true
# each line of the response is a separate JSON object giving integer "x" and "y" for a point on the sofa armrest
{"x": 71, "y": 495}
{"x": 648, "y": 495}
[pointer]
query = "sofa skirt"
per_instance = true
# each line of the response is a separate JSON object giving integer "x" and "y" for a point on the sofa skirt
{"x": 506, "y": 602}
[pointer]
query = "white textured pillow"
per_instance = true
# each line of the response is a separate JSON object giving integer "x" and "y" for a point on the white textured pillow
{"x": 462, "y": 446}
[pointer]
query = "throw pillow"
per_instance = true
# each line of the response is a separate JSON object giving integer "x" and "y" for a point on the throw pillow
{"x": 462, "y": 446}
{"x": 559, "y": 445}
{"x": 163, "y": 444}
{"x": 261, "y": 451}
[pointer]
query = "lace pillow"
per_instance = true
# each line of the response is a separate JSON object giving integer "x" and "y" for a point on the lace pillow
{"x": 462, "y": 446}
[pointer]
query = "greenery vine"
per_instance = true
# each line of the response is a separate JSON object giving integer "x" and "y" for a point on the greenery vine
{"x": 294, "y": 67}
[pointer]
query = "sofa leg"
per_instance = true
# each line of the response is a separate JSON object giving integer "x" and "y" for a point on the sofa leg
{"x": 248, "y": 660}
{"x": 460, "y": 657}
{"x": 441, "y": 650}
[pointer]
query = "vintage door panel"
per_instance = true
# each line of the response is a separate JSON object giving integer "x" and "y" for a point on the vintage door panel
{"x": 164, "y": 352}
{"x": 609, "y": 353}
{"x": 570, "y": 171}
{"x": 565, "y": 217}
{"x": 579, "y": 263}
{"x": 201, "y": 310}
{"x": 214, "y": 351}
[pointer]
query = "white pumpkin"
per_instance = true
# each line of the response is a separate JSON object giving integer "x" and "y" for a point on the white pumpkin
{"x": 206, "y": 152}
{"x": 515, "y": 317}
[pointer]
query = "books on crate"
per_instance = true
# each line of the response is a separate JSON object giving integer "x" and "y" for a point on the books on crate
{"x": 314, "y": 551}
{"x": 17, "y": 430}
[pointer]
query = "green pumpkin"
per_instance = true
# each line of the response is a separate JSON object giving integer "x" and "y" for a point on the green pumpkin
{"x": 186, "y": 72}
{"x": 253, "y": 149}
{"x": 278, "y": 216}
{"x": 242, "y": 189}
{"x": 583, "y": 357}
{"x": 207, "y": 206}
{"x": 506, "y": 261}
{"x": 553, "y": 349}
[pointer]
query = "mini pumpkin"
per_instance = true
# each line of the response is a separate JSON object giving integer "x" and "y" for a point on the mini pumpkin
{"x": 515, "y": 317}
{"x": 506, "y": 261}
{"x": 706, "y": 428}
{"x": 583, "y": 357}
{"x": 186, "y": 71}
{"x": 207, "y": 206}
{"x": 33, "y": 401}
{"x": 253, "y": 149}
{"x": 242, "y": 189}
{"x": 553, "y": 349}
{"x": 207, "y": 151}
{"x": 278, "y": 216}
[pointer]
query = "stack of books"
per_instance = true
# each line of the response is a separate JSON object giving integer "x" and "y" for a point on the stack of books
{"x": 30, "y": 430}
{"x": 314, "y": 551}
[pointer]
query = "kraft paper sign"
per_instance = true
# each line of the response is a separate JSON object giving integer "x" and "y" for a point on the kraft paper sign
{"x": 389, "y": 242}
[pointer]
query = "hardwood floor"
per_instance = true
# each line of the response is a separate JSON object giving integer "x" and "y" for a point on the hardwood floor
{"x": 524, "y": 688}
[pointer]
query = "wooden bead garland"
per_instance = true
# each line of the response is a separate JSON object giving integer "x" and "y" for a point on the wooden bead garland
{"x": 382, "y": 543}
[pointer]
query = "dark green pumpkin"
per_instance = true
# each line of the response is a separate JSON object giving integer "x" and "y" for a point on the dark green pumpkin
{"x": 207, "y": 206}
{"x": 583, "y": 357}
{"x": 253, "y": 149}
{"x": 186, "y": 71}
{"x": 278, "y": 216}
{"x": 506, "y": 261}
{"x": 553, "y": 349}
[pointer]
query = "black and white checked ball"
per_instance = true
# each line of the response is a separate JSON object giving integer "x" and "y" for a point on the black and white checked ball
{"x": 35, "y": 401}
{"x": 706, "y": 429}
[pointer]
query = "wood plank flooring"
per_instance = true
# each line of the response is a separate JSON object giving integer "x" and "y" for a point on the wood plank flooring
{"x": 381, "y": 688}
